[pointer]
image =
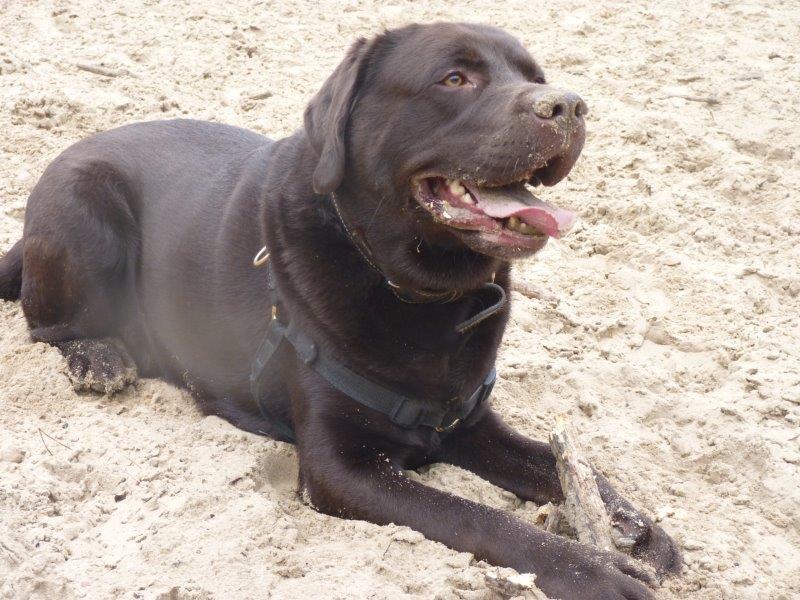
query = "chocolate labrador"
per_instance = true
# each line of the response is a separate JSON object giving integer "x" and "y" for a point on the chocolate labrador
{"x": 384, "y": 229}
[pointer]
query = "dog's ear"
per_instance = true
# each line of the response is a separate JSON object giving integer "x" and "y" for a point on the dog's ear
{"x": 327, "y": 114}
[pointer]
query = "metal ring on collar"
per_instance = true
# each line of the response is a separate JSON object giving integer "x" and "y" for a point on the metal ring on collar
{"x": 261, "y": 257}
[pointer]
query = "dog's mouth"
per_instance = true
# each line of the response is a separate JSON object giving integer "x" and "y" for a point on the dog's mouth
{"x": 506, "y": 219}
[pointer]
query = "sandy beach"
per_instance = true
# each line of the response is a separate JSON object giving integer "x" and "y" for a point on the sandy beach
{"x": 667, "y": 324}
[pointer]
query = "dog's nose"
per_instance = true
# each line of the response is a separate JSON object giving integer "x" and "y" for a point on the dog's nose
{"x": 552, "y": 104}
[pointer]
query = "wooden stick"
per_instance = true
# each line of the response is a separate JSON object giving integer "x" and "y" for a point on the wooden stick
{"x": 583, "y": 507}
{"x": 710, "y": 100}
{"x": 98, "y": 70}
{"x": 513, "y": 585}
{"x": 532, "y": 291}
{"x": 552, "y": 522}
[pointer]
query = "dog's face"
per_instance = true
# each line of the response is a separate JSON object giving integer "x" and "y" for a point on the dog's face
{"x": 431, "y": 133}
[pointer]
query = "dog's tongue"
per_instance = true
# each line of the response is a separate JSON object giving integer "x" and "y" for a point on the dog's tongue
{"x": 517, "y": 201}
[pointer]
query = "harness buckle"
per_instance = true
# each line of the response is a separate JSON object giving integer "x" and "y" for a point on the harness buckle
{"x": 442, "y": 429}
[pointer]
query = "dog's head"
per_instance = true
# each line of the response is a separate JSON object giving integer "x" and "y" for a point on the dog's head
{"x": 430, "y": 135}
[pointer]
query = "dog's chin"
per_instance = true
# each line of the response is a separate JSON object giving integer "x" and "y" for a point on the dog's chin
{"x": 504, "y": 221}
{"x": 500, "y": 245}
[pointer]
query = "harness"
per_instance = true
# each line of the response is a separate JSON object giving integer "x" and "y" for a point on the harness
{"x": 402, "y": 410}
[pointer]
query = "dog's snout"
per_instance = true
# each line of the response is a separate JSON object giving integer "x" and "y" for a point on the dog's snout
{"x": 552, "y": 104}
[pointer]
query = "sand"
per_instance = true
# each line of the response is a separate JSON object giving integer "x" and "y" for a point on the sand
{"x": 666, "y": 324}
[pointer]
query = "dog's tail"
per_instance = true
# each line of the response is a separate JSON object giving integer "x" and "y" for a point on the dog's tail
{"x": 11, "y": 273}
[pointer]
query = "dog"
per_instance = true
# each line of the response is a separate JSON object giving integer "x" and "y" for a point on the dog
{"x": 384, "y": 231}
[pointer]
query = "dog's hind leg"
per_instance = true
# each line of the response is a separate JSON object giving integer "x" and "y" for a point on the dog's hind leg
{"x": 77, "y": 254}
{"x": 11, "y": 273}
{"x": 98, "y": 364}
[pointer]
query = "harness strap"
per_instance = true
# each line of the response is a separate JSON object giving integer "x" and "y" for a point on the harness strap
{"x": 402, "y": 410}
{"x": 486, "y": 312}
{"x": 264, "y": 367}
{"x": 262, "y": 370}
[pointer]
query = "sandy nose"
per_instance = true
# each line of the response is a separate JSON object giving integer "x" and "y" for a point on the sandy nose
{"x": 552, "y": 104}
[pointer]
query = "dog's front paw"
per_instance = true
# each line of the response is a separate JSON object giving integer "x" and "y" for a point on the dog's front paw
{"x": 579, "y": 572}
{"x": 659, "y": 550}
{"x": 647, "y": 541}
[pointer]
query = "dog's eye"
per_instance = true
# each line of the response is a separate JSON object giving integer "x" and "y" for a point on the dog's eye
{"x": 454, "y": 79}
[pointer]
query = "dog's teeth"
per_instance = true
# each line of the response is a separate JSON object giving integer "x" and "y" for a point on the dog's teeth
{"x": 456, "y": 188}
{"x": 467, "y": 198}
{"x": 514, "y": 224}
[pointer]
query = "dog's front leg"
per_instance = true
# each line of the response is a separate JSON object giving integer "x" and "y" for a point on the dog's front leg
{"x": 349, "y": 470}
{"x": 497, "y": 453}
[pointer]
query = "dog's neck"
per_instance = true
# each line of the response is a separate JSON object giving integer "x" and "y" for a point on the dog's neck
{"x": 433, "y": 276}
{"x": 404, "y": 293}
{"x": 327, "y": 287}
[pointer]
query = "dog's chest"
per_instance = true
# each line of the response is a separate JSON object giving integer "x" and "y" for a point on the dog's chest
{"x": 420, "y": 343}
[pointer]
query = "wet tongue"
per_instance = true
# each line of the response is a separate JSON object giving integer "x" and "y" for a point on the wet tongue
{"x": 516, "y": 201}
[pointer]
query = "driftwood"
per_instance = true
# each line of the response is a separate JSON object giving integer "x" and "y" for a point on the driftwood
{"x": 710, "y": 100}
{"x": 262, "y": 96}
{"x": 552, "y": 523}
{"x": 584, "y": 511}
{"x": 583, "y": 507}
{"x": 97, "y": 70}
{"x": 550, "y": 517}
{"x": 509, "y": 584}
